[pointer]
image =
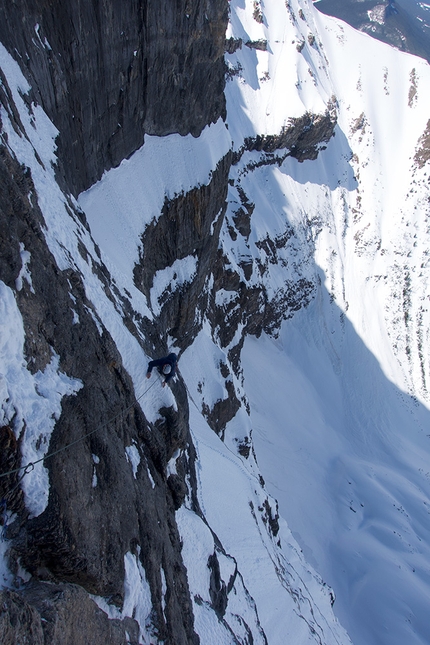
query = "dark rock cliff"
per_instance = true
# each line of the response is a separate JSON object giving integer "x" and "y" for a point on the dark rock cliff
{"x": 302, "y": 138}
{"x": 107, "y": 72}
{"x": 189, "y": 226}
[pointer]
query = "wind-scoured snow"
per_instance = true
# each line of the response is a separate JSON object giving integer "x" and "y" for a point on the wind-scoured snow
{"x": 346, "y": 453}
{"x": 272, "y": 85}
{"x": 203, "y": 378}
{"x": 286, "y": 593}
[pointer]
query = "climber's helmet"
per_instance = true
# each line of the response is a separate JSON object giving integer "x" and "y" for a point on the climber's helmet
{"x": 167, "y": 368}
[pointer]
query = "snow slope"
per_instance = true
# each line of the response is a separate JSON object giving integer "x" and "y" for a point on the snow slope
{"x": 291, "y": 600}
{"x": 130, "y": 197}
{"x": 340, "y": 419}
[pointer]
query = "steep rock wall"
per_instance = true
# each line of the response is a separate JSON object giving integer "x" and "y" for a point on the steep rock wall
{"x": 302, "y": 138}
{"x": 107, "y": 72}
{"x": 189, "y": 226}
{"x": 101, "y": 510}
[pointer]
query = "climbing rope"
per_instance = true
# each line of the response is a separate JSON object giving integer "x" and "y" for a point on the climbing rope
{"x": 189, "y": 394}
{"x": 30, "y": 466}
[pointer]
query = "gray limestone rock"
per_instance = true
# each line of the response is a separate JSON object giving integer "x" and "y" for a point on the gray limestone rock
{"x": 302, "y": 138}
{"x": 20, "y": 623}
{"x": 189, "y": 226}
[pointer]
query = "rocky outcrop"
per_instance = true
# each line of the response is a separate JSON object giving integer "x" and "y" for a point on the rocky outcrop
{"x": 302, "y": 138}
{"x": 19, "y": 622}
{"x": 53, "y": 613}
{"x": 189, "y": 226}
{"x": 106, "y": 73}
{"x": 422, "y": 154}
{"x": 253, "y": 311}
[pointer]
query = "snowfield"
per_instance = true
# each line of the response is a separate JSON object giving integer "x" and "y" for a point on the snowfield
{"x": 128, "y": 198}
{"x": 341, "y": 418}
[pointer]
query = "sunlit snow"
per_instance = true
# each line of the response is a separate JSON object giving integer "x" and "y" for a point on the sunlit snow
{"x": 129, "y": 197}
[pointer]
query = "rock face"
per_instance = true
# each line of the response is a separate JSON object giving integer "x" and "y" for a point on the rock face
{"x": 189, "y": 226}
{"x": 107, "y": 72}
{"x": 301, "y": 139}
{"x": 50, "y": 612}
{"x": 19, "y": 622}
{"x": 86, "y": 530}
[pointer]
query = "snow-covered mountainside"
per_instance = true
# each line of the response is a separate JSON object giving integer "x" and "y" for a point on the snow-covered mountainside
{"x": 403, "y": 24}
{"x": 340, "y": 418}
{"x": 279, "y": 490}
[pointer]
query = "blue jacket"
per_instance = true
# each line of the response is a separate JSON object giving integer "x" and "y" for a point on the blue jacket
{"x": 171, "y": 360}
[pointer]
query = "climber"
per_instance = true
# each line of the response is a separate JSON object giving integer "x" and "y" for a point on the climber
{"x": 166, "y": 367}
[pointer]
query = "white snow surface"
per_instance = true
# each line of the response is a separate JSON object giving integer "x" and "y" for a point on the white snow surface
{"x": 340, "y": 416}
{"x": 198, "y": 547}
{"x": 292, "y": 603}
{"x": 137, "y": 599}
{"x": 24, "y": 273}
{"x": 133, "y": 457}
{"x": 128, "y": 198}
{"x": 270, "y": 87}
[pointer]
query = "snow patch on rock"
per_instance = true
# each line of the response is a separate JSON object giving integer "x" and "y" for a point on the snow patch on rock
{"x": 31, "y": 403}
